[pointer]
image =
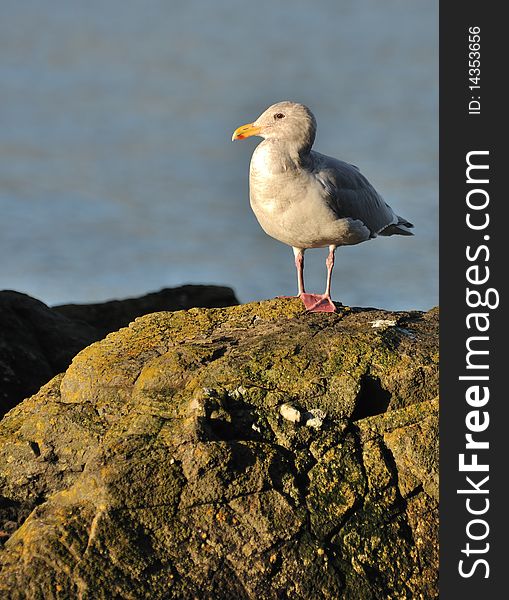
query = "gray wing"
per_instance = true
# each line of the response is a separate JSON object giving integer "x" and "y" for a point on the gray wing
{"x": 350, "y": 195}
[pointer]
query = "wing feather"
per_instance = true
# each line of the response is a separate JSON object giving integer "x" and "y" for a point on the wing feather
{"x": 350, "y": 195}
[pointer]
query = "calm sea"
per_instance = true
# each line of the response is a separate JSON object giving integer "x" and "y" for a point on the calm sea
{"x": 117, "y": 173}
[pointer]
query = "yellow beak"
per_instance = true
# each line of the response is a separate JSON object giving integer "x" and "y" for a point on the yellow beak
{"x": 245, "y": 131}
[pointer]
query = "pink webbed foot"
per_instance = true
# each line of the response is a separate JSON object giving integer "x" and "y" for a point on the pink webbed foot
{"x": 318, "y": 302}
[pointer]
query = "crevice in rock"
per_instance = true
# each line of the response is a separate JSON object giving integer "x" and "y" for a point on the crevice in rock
{"x": 34, "y": 446}
{"x": 217, "y": 353}
{"x": 372, "y": 398}
{"x": 230, "y": 420}
{"x": 399, "y": 508}
{"x": 415, "y": 492}
{"x": 390, "y": 463}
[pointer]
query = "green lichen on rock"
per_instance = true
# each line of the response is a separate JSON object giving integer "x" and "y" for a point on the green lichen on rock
{"x": 160, "y": 465}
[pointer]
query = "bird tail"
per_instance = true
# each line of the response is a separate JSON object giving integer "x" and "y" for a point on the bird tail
{"x": 402, "y": 227}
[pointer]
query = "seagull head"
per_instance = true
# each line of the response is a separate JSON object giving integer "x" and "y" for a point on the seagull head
{"x": 287, "y": 122}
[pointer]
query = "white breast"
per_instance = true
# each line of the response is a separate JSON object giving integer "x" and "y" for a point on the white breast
{"x": 287, "y": 203}
{"x": 267, "y": 162}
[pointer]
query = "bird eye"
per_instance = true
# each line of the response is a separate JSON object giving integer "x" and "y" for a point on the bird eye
{"x": 279, "y": 116}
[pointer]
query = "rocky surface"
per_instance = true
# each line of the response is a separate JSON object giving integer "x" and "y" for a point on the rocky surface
{"x": 252, "y": 452}
{"x": 106, "y": 317}
{"x": 37, "y": 342}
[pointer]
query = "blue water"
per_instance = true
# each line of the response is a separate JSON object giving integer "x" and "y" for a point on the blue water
{"x": 117, "y": 173}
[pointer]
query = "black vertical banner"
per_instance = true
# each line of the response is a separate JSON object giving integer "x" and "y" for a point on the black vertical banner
{"x": 474, "y": 266}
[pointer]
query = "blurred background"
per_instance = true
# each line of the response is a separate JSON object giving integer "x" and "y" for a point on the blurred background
{"x": 117, "y": 173}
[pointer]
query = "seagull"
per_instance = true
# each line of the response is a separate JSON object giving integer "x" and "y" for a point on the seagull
{"x": 309, "y": 200}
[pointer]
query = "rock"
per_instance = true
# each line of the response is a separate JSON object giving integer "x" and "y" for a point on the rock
{"x": 314, "y": 418}
{"x": 290, "y": 413}
{"x": 384, "y": 323}
{"x": 37, "y": 342}
{"x": 159, "y": 465}
{"x": 106, "y": 317}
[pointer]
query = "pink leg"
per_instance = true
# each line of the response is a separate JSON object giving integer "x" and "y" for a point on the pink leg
{"x": 330, "y": 265}
{"x": 299, "y": 265}
{"x": 322, "y": 302}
